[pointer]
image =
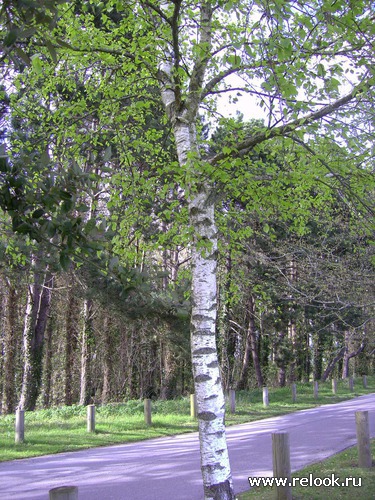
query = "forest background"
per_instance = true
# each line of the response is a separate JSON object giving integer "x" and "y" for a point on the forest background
{"x": 120, "y": 179}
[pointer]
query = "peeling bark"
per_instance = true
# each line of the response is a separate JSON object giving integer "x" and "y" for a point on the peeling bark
{"x": 215, "y": 465}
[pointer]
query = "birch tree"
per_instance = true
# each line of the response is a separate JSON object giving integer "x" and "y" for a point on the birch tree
{"x": 290, "y": 55}
{"x": 251, "y": 41}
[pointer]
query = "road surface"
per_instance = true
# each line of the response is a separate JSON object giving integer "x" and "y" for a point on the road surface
{"x": 169, "y": 469}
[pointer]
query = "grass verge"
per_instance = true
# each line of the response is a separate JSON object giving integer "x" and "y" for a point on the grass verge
{"x": 343, "y": 467}
{"x": 64, "y": 429}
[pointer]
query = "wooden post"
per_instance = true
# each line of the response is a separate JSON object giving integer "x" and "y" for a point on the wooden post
{"x": 351, "y": 384}
{"x": 334, "y": 386}
{"x": 316, "y": 389}
{"x": 265, "y": 396}
{"x": 281, "y": 463}
{"x": 364, "y": 381}
{"x": 294, "y": 392}
{"x": 363, "y": 439}
{"x": 232, "y": 400}
{"x": 20, "y": 426}
{"x": 147, "y": 406}
{"x": 193, "y": 406}
{"x": 91, "y": 418}
{"x": 64, "y": 493}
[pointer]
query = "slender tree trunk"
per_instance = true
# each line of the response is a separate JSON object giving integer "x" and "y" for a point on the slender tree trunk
{"x": 251, "y": 350}
{"x": 168, "y": 375}
{"x": 107, "y": 361}
{"x": 292, "y": 327}
{"x": 217, "y": 481}
{"x": 208, "y": 389}
{"x": 346, "y": 358}
{"x": 349, "y": 355}
{"x": 215, "y": 465}
{"x": 227, "y": 344}
{"x": 10, "y": 345}
{"x": 282, "y": 376}
{"x": 207, "y": 380}
{"x": 331, "y": 365}
{"x": 36, "y": 315}
{"x": 87, "y": 331}
{"x": 318, "y": 357}
{"x": 280, "y": 354}
{"x": 70, "y": 344}
{"x": 48, "y": 368}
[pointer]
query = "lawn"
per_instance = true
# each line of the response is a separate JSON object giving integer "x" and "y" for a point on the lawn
{"x": 63, "y": 429}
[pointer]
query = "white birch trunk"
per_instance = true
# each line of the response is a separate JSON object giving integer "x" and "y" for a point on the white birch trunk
{"x": 208, "y": 388}
{"x": 182, "y": 114}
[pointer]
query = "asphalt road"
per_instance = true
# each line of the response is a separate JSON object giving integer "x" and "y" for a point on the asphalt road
{"x": 169, "y": 469}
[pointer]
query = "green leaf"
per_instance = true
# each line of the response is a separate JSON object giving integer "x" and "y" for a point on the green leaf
{"x": 52, "y": 51}
{"x": 107, "y": 154}
{"x": 64, "y": 261}
{"x": 37, "y": 64}
{"x": 321, "y": 70}
{"x": 10, "y": 38}
{"x": 38, "y": 213}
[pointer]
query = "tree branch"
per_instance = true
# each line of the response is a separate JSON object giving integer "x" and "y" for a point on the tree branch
{"x": 204, "y": 47}
{"x": 176, "y": 50}
{"x": 249, "y": 143}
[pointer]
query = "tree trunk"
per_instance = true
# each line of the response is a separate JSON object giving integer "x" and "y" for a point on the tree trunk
{"x": 70, "y": 344}
{"x": 226, "y": 342}
{"x": 168, "y": 372}
{"x": 251, "y": 349}
{"x": 349, "y": 355}
{"x": 318, "y": 356}
{"x": 48, "y": 368}
{"x": 107, "y": 360}
{"x": 208, "y": 389}
{"x": 217, "y": 481}
{"x": 215, "y": 465}
{"x": 10, "y": 345}
{"x": 87, "y": 331}
{"x": 292, "y": 327}
{"x": 280, "y": 358}
{"x": 168, "y": 375}
{"x": 36, "y": 315}
{"x": 331, "y": 365}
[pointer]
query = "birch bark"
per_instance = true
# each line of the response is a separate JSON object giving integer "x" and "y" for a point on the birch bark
{"x": 215, "y": 465}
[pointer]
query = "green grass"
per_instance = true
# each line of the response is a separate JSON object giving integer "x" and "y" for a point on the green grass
{"x": 64, "y": 429}
{"x": 343, "y": 465}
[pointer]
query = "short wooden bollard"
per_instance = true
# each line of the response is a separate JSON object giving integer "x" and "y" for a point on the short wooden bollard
{"x": 364, "y": 378}
{"x": 64, "y": 493}
{"x": 316, "y": 390}
{"x": 265, "y": 396}
{"x": 91, "y": 418}
{"x": 294, "y": 393}
{"x": 281, "y": 463}
{"x": 147, "y": 406}
{"x": 20, "y": 426}
{"x": 232, "y": 400}
{"x": 351, "y": 384}
{"x": 363, "y": 439}
{"x": 334, "y": 386}
{"x": 193, "y": 406}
